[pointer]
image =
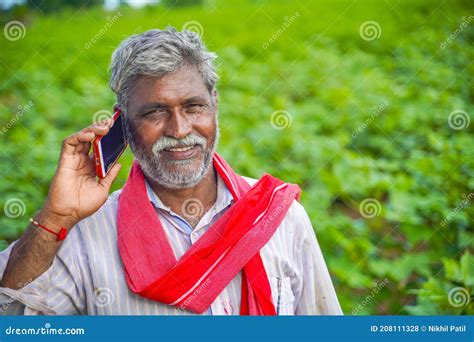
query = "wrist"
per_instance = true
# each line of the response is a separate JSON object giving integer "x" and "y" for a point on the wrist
{"x": 54, "y": 221}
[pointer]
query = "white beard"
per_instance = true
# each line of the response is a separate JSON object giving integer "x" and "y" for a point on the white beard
{"x": 173, "y": 174}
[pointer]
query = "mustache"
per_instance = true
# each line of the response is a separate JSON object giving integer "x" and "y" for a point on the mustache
{"x": 170, "y": 142}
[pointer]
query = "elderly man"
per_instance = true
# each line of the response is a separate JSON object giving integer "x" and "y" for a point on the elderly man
{"x": 186, "y": 234}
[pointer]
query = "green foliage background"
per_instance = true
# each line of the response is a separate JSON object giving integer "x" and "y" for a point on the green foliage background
{"x": 332, "y": 82}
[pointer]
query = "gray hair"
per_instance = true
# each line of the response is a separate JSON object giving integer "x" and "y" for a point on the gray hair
{"x": 157, "y": 53}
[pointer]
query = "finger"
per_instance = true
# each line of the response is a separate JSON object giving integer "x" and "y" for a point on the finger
{"x": 111, "y": 176}
{"x": 105, "y": 122}
{"x": 110, "y": 122}
{"x": 78, "y": 142}
{"x": 98, "y": 129}
{"x": 86, "y": 139}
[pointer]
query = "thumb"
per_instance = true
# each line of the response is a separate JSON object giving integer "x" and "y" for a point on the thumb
{"x": 111, "y": 176}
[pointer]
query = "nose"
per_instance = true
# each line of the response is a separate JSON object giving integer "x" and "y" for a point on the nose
{"x": 178, "y": 125}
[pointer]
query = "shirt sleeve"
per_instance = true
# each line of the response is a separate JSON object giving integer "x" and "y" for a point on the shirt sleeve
{"x": 55, "y": 292}
{"x": 316, "y": 295}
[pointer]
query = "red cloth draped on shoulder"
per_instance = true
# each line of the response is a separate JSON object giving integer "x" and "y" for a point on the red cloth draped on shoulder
{"x": 230, "y": 245}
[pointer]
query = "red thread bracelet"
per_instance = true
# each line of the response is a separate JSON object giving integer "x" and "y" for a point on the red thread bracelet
{"x": 60, "y": 236}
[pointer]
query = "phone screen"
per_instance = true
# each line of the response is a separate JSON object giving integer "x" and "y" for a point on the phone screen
{"x": 113, "y": 144}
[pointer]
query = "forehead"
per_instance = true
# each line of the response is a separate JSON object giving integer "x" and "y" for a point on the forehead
{"x": 171, "y": 88}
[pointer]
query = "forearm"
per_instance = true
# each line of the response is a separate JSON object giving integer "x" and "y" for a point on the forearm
{"x": 34, "y": 253}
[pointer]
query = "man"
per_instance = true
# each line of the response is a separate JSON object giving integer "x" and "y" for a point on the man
{"x": 186, "y": 234}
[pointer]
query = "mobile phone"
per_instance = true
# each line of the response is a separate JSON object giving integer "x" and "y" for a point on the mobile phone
{"x": 108, "y": 148}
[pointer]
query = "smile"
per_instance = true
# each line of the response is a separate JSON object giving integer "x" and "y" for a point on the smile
{"x": 180, "y": 149}
{"x": 181, "y": 152}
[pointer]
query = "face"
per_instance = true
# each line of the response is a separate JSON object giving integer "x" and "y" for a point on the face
{"x": 171, "y": 125}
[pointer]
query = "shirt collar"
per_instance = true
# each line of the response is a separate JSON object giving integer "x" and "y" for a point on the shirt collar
{"x": 223, "y": 200}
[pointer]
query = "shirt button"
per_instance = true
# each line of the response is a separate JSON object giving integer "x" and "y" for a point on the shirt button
{"x": 194, "y": 235}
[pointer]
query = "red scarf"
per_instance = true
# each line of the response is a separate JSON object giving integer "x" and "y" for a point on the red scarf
{"x": 231, "y": 245}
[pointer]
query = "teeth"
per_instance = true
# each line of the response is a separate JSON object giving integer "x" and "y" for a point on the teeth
{"x": 180, "y": 149}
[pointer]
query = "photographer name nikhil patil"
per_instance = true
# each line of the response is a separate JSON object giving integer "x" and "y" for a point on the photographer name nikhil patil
{"x": 447, "y": 328}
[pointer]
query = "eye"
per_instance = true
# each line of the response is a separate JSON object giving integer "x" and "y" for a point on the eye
{"x": 154, "y": 112}
{"x": 195, "y": 108}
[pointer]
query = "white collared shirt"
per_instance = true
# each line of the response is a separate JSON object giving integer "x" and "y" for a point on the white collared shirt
{"x": 87, "y": 275}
